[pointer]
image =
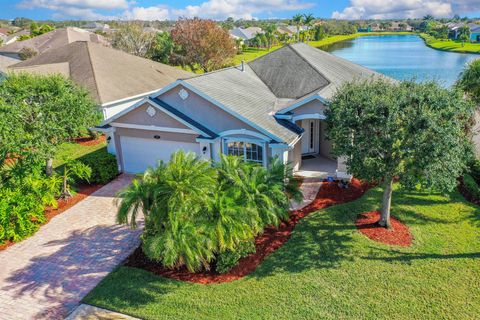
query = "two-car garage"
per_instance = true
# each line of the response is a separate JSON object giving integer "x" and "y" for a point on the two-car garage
{"x": 140, "y": 153}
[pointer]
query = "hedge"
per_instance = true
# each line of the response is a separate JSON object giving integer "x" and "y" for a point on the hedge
{"x": 104, "y": 166}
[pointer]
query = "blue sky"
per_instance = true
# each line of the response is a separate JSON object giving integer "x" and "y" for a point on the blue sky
{"x": 222, "y": 9}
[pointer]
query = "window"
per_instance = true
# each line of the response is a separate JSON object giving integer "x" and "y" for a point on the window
{"x": 312, "y": 130}
{"x": 249, "y": 151}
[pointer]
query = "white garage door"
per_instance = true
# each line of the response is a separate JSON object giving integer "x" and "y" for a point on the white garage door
{"x": 139, "y": 153}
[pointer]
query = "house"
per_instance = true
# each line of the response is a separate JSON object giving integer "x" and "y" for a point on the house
{"x": 474, "y": 32}
{"x": 11, "y": 38}
{"x": 245, "y": 35}
{"x": 3, "y": 35}
{"x": 290, "y": 30}
{"x": 399, "y": 26}
{"x": 115, "y": 79}
{"x": 51, "y": 40}
{"x": 271, "y": 107}
{"x": 96, "y": 26}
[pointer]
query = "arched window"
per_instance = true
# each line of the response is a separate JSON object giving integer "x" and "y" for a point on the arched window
{"x": 249, "y": 151}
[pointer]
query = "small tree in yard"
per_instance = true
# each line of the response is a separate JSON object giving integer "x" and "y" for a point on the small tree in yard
{"x": 73, "y": 170}
{"x": 469, "y": 81}
{"x": 48, "y": 110}
{"x": 202, "y": 43}
{"x": 411, "y": 132}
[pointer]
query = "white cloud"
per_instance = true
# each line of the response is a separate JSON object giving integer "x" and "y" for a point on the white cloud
{"x": 246, "y": 9}
{"x": 148, "y": 14}
{"x": 391, "y": 9}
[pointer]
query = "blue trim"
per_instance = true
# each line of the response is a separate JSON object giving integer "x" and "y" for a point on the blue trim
{"x": 290, "y": 126}
{"x": 184, "y": 117}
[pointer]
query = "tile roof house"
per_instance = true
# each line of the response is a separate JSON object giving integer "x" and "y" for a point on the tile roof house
{"x": 96, "y": 26}
{"x": 272, "y": 106}
{"x": 115, "y": 79}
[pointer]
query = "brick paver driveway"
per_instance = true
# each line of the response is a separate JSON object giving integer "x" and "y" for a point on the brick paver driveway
{"x": 46, "y": 276}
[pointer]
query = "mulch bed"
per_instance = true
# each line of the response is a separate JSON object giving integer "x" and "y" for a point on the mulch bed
{"x": 397, "y": 235}
{"x": 89, "y": 141}
{"x": 266, "y": 243}
{"x": 63, "y": 204}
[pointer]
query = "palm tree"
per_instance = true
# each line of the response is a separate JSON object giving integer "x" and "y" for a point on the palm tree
{"x": 469, "y": 80}
{"x": 270, "y": 30}
{"x": 308, "y": 20}
{"x": 298, "y": 21}
{"x": 464, "y": 34}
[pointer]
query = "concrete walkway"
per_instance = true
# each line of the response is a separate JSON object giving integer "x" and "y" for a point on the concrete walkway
{"x": 46, "y": 275}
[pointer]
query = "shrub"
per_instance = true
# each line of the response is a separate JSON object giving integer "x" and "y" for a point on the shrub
{"x": 471, "y": 186}
{"x": 228, "y": 259}
{"x": 22, "y": 204}
{"x": 475, "y": 170}
{"x": 104, "y": 166}
{"x": 196, "y": 213}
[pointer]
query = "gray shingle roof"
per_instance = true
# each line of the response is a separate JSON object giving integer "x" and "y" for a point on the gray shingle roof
{"x": 246, "y": 95}
{"x": 288, "y": 74}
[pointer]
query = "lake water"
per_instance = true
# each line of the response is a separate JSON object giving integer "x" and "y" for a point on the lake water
{"x": 402, "y": 57}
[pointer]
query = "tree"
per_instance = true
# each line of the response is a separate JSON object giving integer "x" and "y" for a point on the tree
{"x": 130, "y": 38}
{"x": 162, "y": 48}
{"x": 469, "y": 81}
{"x": 297, "y": 21}
{"x": 443, "y": 32}
{"x": 202, "y": 43}
{"x": 270, "y": 30}
{"x": 36, "y": 30}
{"x": 308, "y": 20}
{"x": 413, "y": 133}
{"x": 464, "y": 34}
{"x": 48, "y": 110}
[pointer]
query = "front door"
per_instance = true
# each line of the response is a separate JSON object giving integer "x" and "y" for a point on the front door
{"x": 310, "y": 136}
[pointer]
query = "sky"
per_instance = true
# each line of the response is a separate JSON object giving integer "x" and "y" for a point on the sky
{"x": 222, "y": 9}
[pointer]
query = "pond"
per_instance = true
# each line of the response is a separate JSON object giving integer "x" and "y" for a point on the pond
{"x": 402, "y": 57}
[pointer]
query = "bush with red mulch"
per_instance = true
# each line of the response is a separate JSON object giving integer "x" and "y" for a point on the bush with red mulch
{"x": 397, "y": 235}
{"x": 63, "y": 204}
{"x": 270, "y": 240}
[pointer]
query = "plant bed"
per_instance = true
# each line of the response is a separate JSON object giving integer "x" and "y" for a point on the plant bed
{"x": 270, "y": 240}
{"x": 63, "y": 204}
{"x": 398, "y": 235}
{"x": 89, "y": 141}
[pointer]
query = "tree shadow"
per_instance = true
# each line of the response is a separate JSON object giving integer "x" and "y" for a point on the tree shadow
{"x": 60, "y": 280}
{"x": 407, "y": 257}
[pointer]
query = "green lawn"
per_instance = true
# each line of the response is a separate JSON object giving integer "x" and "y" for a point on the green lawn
{"x": 74, "y": 151}
{"x": 328, "y": 270}
{"x": 450, "y": 45}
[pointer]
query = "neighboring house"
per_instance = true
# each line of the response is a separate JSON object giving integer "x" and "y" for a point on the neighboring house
{"x": 375, "y": 27}
{"x": 399, "y": 26}
{"x": 245, "y": 34}
{"x": 272, "y": 106}
{"x": 290, "y": 30}
{"x": 474, "y": 32}
{"x": 51, "y": 40}
{"x": 3, "y": 35}
{"x": 96, "y": 26}
{"x": 11, "y": 38}
{"x": 115, "y": 79}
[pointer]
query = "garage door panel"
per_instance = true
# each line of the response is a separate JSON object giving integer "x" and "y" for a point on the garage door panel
{"x": 139, "y": 153}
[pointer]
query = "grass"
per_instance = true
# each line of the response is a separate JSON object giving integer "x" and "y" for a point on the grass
{"x": 70, "y": 150}
{"x": 450, "y": 45}
{"x": 328, "y": 270}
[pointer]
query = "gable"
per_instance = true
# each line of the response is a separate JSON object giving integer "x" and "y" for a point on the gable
{"x": 140, "y": 116}
{"x": 203, "y": 111}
